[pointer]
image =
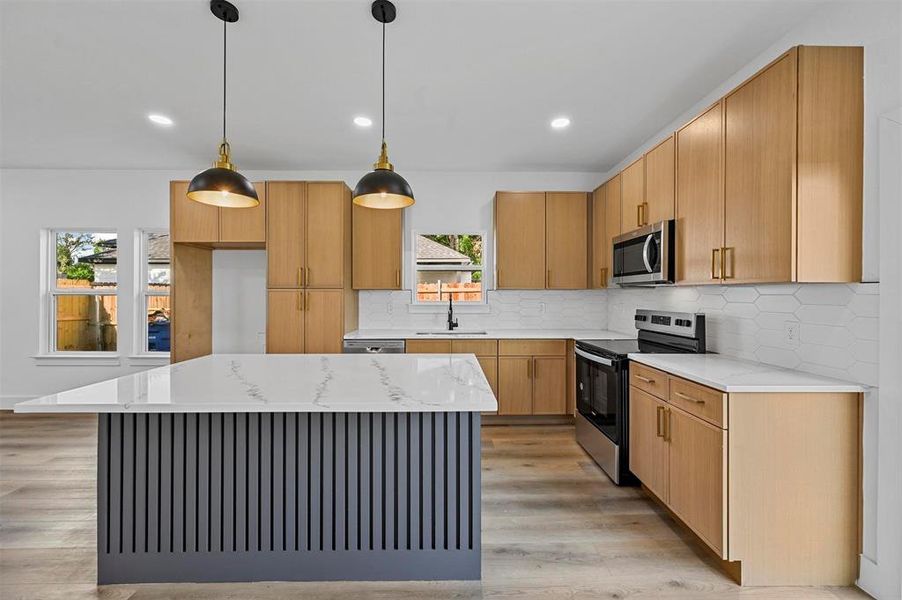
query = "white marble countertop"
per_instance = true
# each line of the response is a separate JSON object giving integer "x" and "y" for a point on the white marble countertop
{"x": 287, "y": 383}
{"x": 490, "y": 334}
{"x": 735, "y": 375}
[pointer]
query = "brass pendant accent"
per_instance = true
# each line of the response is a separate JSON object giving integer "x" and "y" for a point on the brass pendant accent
{"x": 382, "y": 161}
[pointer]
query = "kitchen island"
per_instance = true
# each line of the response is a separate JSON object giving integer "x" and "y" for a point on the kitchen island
{"x": 287, "y": 467}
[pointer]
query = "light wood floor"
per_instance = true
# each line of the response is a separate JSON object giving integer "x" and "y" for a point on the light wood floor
{"x": 553, "y": 527}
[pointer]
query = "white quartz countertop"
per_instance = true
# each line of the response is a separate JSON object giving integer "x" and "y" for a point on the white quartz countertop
{"x": 490, "y": 334}
{"x": 734, "y": 375}
{"x": 287, "y": 383}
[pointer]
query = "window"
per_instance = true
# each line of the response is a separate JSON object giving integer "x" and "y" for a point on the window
{"x": 153, "y": 307}
{"x": 83, "y": 291}
{"x": 449, "y": 264}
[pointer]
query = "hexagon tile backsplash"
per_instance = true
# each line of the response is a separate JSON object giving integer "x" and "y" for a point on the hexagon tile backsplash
{"x": 828, "y": 329}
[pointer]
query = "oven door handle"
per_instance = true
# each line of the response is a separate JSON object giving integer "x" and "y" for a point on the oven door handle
{"x": 648, "y": 242}
{"x": 593, "y": 358}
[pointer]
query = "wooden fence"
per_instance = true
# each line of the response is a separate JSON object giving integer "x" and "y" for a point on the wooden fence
{"x": 85, "y": 322}
{"x": 459, "y": 292}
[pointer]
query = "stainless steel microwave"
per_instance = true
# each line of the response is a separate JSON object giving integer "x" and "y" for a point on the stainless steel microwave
{"x": 645, "y": 256}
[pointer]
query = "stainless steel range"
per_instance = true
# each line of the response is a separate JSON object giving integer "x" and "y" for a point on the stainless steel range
{"x": 602, "y": 383}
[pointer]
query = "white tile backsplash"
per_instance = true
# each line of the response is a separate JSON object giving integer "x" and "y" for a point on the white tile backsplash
{"x": 835, "y": 324}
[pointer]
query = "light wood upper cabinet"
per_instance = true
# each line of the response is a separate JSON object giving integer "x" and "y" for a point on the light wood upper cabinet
{"x": 328, "y": 222}
{"x": 377, "y": 248}
{"x": 515, "y": 385}
{"x": 285, "y": 246}
{"x": 649, "y": 452}
{"x": 700, "y": 206}
{"x": 830, "y": 166}
{"x": 549, "y": 386}
{"x": 659, "y": 182}
{"x": 632, "y": 181}
{"x": 697, "y": 490}
{"x": 612, "y": 218}
{"x": 285, "y": 322}
{"x": 520, "y": 240}
{"x": 566, "y": 233}
{"x": 598, "y": 244}
{"x": 244, "y": 224}
{"x": 760, "y": 156}
{"x": 191, "y": 221}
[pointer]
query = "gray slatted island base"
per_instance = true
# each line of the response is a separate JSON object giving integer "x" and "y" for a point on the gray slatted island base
{"x": 267, "y": 467}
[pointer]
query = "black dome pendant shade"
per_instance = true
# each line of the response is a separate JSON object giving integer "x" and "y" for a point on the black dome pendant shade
{"x": 382, "y": 187}
{"x": 223, "y": 185}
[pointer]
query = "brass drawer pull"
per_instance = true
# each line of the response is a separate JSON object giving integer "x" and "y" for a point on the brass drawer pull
{"x": 644, "y": 379}
{"x": 689, "y": 398}
{"x": 659, "y": 413}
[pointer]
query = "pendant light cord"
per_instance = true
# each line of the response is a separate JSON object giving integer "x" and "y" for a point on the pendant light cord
{"x": 383, "y": 74}
{"x": 224, "y": 24}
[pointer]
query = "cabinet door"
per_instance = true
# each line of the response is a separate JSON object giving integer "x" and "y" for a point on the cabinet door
{"x": 428, "y": 346}
{"x": 699, "y": 224}
{"x": 285, "y": 322}
{"x": 515, "y": 385}
{"x": 566, "y": 245}
{"x": 598, "y": 255}
{"x": 648, "y": 447}
{"x": 633, "y": 195}
{"x": 191, "y": 221}
{"x": 285, "y": 210}
{"x": 520, "y": 240}
{"x": 326, "y": 235}
{"x": 323, "y": 325}
{"x": 490, "y": 368}
{"x": 612, "y": 219}
{"x": 659, "y": 182}
{"x": 377, "y": 249}
{"x": 698, "y": 461}
{"x": 549, "y": 391}
{"x": 760, "y": 155}
{"x": 245, "y": 224}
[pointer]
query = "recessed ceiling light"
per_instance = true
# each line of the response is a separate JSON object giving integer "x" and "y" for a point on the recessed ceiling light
{"x": 560, "y": 122}
{"x": 363, "y": 121}
{"x": 160, "y": 120}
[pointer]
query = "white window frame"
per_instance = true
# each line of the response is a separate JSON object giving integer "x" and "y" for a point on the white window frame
{"x": 142, "y": 292}
{"x": 47, "y": 352}
{"x": 419, "y": 306}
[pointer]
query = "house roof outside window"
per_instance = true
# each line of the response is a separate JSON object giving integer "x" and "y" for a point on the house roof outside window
{"x": 431, "y": 252}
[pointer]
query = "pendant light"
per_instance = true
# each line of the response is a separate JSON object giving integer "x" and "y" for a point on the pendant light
{"x": 382, "y": 187}
{"x": 223, "y": 185}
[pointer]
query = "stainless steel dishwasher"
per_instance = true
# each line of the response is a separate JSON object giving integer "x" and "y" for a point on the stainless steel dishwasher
{"x": 374, "y": 346}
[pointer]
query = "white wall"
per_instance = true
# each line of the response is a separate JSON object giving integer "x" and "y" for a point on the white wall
{"x": 32, "y": 200}
{"x": 239, "y": 301}
{"x": 874, "y": 25}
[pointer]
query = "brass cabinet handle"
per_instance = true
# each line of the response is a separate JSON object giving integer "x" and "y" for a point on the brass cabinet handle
{"x": 529, "y": 368}
{"x": 398, "y": 277}
{"x": 689, "y": 398}
{"x": 659, "y": 412}
{"x": 301, "y": 301}
{"x": 638, "y": 215}
{"x": 724, "y": 262}
{"x": 497, "y": 278}
{"x": 644, "y": 379}
{"x": 307, "y": 278}
{"x": 714, "y": 253}
{"x": 666, "y": 435}
{"x": 645, "y": 213}
{"x": 300, "y": 276}
{"x": 307, "y": 300}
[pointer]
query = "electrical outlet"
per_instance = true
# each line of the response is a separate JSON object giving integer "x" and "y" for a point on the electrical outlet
{"x": 791, "y": 333}
{"x": 390, "y": 308}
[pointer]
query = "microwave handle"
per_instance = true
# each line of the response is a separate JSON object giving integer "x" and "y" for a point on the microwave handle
{"x": 593, "y": 358}
{"x": 648, "y": 241}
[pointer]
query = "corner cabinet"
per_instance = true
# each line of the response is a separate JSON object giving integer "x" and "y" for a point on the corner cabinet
{"x": 769, "y": 180}
{"x": 541, "y": 240}
{"x": 775, "y": 496}
{"x": 377, "y": 248}
{"x": 604, "y": 227}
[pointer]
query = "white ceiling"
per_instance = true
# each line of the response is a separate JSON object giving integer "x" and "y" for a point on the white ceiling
{"x": 472, "y": 84}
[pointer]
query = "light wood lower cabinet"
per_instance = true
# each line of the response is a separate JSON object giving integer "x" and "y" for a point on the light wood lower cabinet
{"x": 285, "y": 322}
{"x": 486, "y": 352}
{"x": 532, "y": 377}
{"x": 769, "y": 481}
{"x": 490, "y": 368}
{"x": 648, "y": 446}
{"x": 305, "y": 321}
{"x": 515, "y": 385}
{"x": 549, "y": 385}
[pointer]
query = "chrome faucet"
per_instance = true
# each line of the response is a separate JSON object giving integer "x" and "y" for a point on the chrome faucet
{"x": 452, "y": 322}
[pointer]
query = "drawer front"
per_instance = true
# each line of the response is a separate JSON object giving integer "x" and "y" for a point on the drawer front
{"x": 703, "y": 402}
{"x": 428, "y": 346}
{"x": 532, "y": 347}
{"x": 649, "y": 380}
{"x": 477, "y": 347}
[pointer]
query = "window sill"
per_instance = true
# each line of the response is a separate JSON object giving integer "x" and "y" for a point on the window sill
{"x": 464, "y": 309}
{"x": 157, "y": 359}
{"x": 79, "y": 359}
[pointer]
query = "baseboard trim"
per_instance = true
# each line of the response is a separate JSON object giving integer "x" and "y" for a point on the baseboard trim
{"x": 488, "y": 419}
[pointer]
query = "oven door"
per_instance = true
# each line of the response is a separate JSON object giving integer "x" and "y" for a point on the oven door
{"x": 598, "y": 392}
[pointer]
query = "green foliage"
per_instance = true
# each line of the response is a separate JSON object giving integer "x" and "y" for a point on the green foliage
{"x": 80, "y": 271}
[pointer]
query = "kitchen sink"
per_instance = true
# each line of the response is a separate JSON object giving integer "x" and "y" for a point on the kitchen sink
{"x": 444, "y": 332}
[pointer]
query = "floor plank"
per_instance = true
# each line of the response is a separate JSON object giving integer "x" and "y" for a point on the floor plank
{"x": 554, "y": 527}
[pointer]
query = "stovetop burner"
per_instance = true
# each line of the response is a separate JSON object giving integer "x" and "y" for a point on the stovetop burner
{"x": 660, "y": 332}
